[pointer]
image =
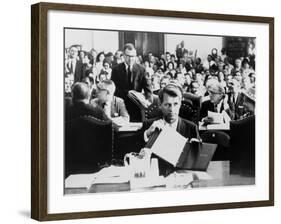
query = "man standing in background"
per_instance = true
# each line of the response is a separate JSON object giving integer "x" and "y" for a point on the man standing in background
{"x": 130, "y": 75}
{"x": 74, "y": 67}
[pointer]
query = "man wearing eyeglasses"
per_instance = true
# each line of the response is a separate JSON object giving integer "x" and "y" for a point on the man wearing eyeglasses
{"x": 130, "y": 75}
{"x": 218, "y": 101}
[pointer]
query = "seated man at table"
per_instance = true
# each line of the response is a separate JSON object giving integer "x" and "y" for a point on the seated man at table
{"x": 80, "y": 106}
{"x": 113, "y": 107}
{"x": 218, "y": 101}
{"x": 170, "y": 102}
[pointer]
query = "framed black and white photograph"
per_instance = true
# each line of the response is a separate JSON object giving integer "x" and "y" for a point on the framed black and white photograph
{"x": 138, "y": 111}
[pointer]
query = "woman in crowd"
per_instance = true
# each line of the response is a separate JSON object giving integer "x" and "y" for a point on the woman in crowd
{"x": 99, "y": 63}
{"x": 190, "y": 73}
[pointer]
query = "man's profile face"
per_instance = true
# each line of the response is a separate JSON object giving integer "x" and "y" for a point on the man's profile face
{"x": 170, "y": 107}
{"x": 130, "y": 56}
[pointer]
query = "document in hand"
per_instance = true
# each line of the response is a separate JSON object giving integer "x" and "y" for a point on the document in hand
{"x": 169, "y": 145}
{"x": 217, "y": 117}
{"x": 178, "y": 151}
{"x": 220, "y": 121}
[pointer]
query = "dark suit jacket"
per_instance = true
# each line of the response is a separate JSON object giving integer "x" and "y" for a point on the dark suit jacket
{"x": 234, "y": 106}
{"x": 180, "y": 52}
{"x": 139, "y": 80}
{"x": 78, "y": 73}
{"x": 209, "y": 106}
{"x": 81, "y": 109}
{"x": 186, "y": 128}
{"x": 118, "y": 107}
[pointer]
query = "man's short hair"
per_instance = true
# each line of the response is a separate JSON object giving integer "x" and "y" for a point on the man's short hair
{"x": 165, "y": 77}
{"x": 129, "y": 46}
{"x": 107, "y": 85}
{"x": 80, "y": 91}
{"x": 171, "y": 89}
{"x": 214, "y": 83}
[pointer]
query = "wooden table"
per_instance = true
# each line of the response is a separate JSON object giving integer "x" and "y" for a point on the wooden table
{"x": 218, "y": 170}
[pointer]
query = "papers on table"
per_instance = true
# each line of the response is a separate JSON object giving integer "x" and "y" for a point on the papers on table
{"x": 80, "y": 180}
{"x": 112, "y": 174}
{"x": 179, "y": 179}
{"x": 218, "y": 126}
{"x": 115, "y": 178}
{"x": 221, "y": 121}
{"x": 216, "y": 117}
{"x": 132, "y": 126}
{"x": 167, "y": 149}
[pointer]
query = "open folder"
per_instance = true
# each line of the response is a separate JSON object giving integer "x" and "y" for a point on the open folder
{"x": 179, "y": 152}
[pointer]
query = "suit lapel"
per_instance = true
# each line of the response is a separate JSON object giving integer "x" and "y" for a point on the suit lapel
{"x": 239, "y": 99}
{"x": 179, "y": 126}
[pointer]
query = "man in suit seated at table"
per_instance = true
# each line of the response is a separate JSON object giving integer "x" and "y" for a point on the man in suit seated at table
{"x": 218, "y": 101}
{"x": 170, "y": 102}
{"x": 80, "y": 104}
{"x": 113, "y": 107}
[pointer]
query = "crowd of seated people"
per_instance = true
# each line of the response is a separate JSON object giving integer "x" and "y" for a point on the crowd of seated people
{"x": 97, "y": 83}
{"x": 219, "y": 80}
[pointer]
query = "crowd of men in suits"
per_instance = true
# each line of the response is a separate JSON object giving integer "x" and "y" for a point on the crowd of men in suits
{"x": 103, "y": 79}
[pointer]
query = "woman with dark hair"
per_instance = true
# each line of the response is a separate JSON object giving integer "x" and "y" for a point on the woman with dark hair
{"x": 162, "y": 64}
{"x": 81, "y": 56}
{"x": 107, "y": 68}
{"x": 99, "y": 62}
{"x": 170, "y": 68}
{"x": 87, "y": 66}
{"x": 246, "y": 68}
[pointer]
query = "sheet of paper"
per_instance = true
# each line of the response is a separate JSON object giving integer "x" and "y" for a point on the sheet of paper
{"x": 202, "y": 175}
{"x": 169, "y": 145}
{"x": 112, "y": 173}
{"x": 224, "y": 126}
{"x": 226, "y": 118}
{"x": 179, "y": 179}
{"x": 79, "y": 180}
{"x": 217, "y": 117}
{"x": 132, "y": 126}
{"x": 110, "y": 180}
{"x": 120, "y": 121}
